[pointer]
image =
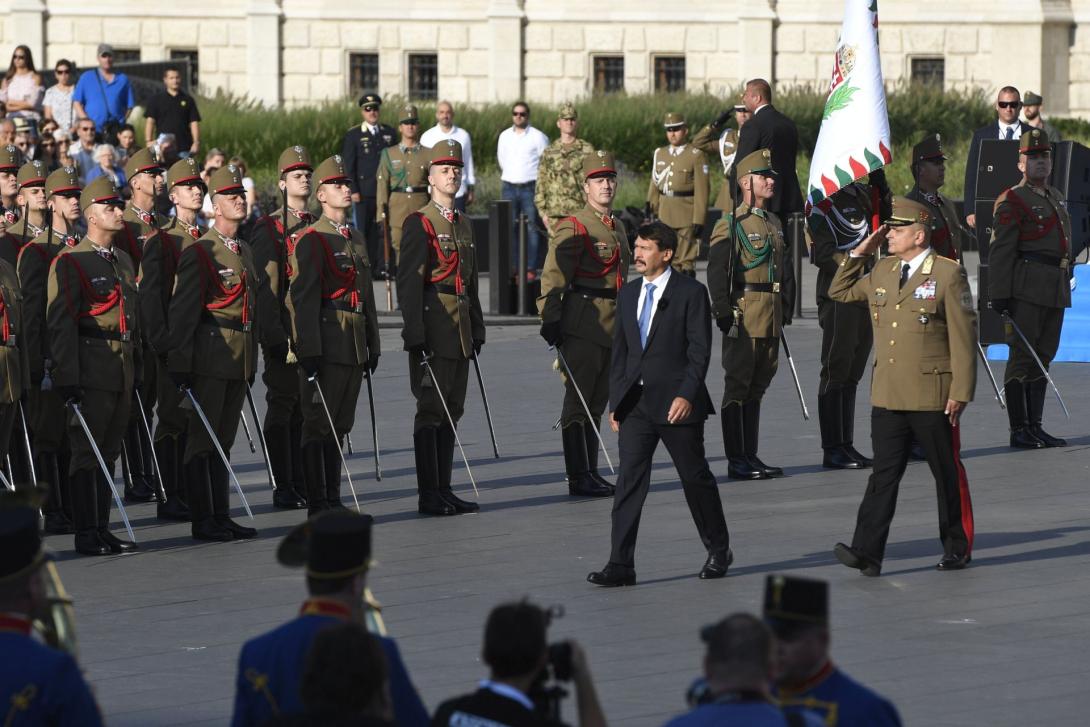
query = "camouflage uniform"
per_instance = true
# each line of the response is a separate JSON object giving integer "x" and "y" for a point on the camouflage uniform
{"x": 559, "y": 191}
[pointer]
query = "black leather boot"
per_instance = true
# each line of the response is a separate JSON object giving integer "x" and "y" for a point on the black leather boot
{"x": 331, "y": 450}
{"x": 444, "y": 448}
{"x": 104, "y": 498}
{"x": 1021, "y": 435}
{"x": 847, "y": 401}
{"x": 830, "y": 412}
{"x": 83, "y": 494}
{"x": 199, "y": 485}
{"x": 314, "y": 476}
{"x": 592, "y": 455}
{"x": 166, "y": 450}
{"x": 751, "y": 420}
{"x": 281, "y": 454}
{"x": 577, "y": 466}
{"x": 1036, "y": 392}
{"x": 221, "y": 500}
{"x": 426, "y": 449}
{"x": 138, "y": 487}
{"x": 56, "y": 522}
{"x": 739, "y": 466}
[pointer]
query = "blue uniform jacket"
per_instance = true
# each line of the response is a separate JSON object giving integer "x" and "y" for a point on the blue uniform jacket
{"x": 271, "y": 665}
{"x": 40, "y": 685}
{"x": 840, "y": 701}
{"x": 736, "y": 714}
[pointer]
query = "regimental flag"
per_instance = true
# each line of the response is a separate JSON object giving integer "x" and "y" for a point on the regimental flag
{"x": 854, "y": 137}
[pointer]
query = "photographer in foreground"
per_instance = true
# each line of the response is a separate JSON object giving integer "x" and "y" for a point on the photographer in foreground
{"x": 516, "y": 694}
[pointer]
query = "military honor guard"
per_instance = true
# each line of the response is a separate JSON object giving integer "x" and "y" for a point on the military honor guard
{"x": 948, "y": 238}
{"x": 39, "y": 683}
{"x": 14, "y": 365}
{"x": 45, "y": 408}
{"x": 559, "y": 190}
{"x": 722, "y": 141}
{"x": 220, "y": 304}
{"x": 335, "y": 549}
{"x": 273, "y": 241}
{"x": 1030, "y": 263}
{"x": 158, "y": 269}
{"x": 925, "y": 335}
{"x": 443, "y": 326}
{"x": 30, "y": 201}
{"x": 10, "y": 161}
{"x": 752, "y": 290}
{"x": 401, "y": 186}
{"x": 846, "y": 337}
{"x": 335, "y": 331}
{"x": 586, "y": 265}
{"x": 361, "y": 150}
{"x": 93, "y": 331}
{"x": 678, "y": 193}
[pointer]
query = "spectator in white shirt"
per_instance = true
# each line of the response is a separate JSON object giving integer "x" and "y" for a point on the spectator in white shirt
{"x": 445, "y": 129}
{"x": 518, "y": 154}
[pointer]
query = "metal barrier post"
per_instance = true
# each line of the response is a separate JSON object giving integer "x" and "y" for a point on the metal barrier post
{"x": 522, "y": 266}
{"x": 499, "y": 257}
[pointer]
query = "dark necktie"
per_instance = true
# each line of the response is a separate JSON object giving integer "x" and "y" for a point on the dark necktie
{"x": 1010, "y": 133}
{"x": 904, "y": 275}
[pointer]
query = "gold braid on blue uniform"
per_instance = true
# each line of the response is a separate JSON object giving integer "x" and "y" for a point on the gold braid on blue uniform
{"x": 260, "y": 683}
{"x": 20, "y": 703}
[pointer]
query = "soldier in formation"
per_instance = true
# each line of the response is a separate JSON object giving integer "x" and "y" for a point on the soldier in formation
{"x": 402, "y": 181}
{"x": 678, "y": 193}
{"x": 948, "y": 237}
{"x": 719, "y": 139}
{"x": 361, "y": 149}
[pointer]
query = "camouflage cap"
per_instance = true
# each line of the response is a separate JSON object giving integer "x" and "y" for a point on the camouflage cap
{"x": 183, "y": 171}
{"x": 142, "y": 161}
{"x": 759, "y": 162}
{"x": 448, "y": 151}
{"x": 1034, "y": 141}
{"x": 331, "y": 170}
{"x": 226, "y": 180}
{"x": 673, "y": 120}
{"x": 10, "y": 158}
{"x": 65, "y": 179}
{"x": 1032, "y": 99}
{"x": 906, "y": 211}
{"x": 294, "y": 157}
{"x": 370, "y": 99}
{"x": 930, "y": 147}
{"x": 101, "y": 191}
{"x": 567, "y": 111}
{"x": 598, "y": 164}
{"x": 32, "y": 174}
{"x": 409, "y": 115}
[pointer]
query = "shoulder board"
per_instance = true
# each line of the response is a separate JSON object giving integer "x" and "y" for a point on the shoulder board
{"x": 943, "y": 260}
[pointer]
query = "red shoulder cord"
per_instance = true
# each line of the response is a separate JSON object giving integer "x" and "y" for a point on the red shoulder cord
{"x": 223, "y": 295}
{"x": 346, "y": 278}
{"x": 613, "y": 264}
{"x": 1045, "y": 226}
{"x": 285, "y": 245}
{"x": 99, "y": 304}
{"x": 453, "y": 261}
{"x": 4, "y": 314}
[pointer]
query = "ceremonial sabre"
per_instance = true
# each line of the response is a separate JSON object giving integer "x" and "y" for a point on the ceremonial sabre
{"x": 105, "y": 470}
{"x": 374, "y": 425}
{"x": 261, "y": 437}
{"x": 450, "y": 419}
{"x": 154, "y": 456}
{"x": 794, "y": 374}
{"x": 1040, "y": 365}
{"x": 487, "y": 411}
{"x": 246, "y": 429}
{"x": 586, "y": 409}
{"x": 219, "y": 449}
{"x": 5, "y": 481}
{"x": 333, "y": 433}
{"x": 26, "y": 443}
{"x": 991, "y": 376}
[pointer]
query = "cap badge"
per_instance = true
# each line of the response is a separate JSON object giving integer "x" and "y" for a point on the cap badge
{"x": 336, "y": 158}
{"x": 69, "y": 170}
{"x": 601, "y": 155}
{"x": 297, "y": 149}
{"x": 232, "y": 168}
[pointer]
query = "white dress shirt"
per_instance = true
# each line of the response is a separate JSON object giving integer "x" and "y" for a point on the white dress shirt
{"x": 435, "y": 134}
{"x": 519, "y": 153}
{"x": 1016, "y": 126}
{"x": 660, "y": 286}
{"x": 915, "y": 263}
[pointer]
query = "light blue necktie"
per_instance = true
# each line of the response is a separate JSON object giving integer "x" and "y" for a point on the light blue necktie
{"x": 645, "y": 314}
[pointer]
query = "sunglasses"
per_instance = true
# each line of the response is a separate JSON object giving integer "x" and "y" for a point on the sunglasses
{"x": 62, "y": 71}
{"x": 370, "y": 108}
{"x": 519, "y": 114}
{"x": 18, "y": 57}
{"x": 1009, "y": 104}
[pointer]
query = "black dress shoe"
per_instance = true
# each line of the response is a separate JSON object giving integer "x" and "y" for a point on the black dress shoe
{"x": 431, "y": 503}
{"x": 88, "y": 543}
{"x": 140, "y": 491}
{"x": 858, "y": 456}
{"x": 716, "y": 565}
{"x": 115, "y": 544}
{"x": 1023, "y": 438}
{"x": 173, "y": 509}
{"x": 852, "y": 558}
{"x": 240, "y": 532}
{"x": 740, "y": 468}
{"x": 286, "y": 498}
{"x": 460, "y": 506}
{"x": 838, "y": 458}
{"x": 210, "y": 530}
{"x": 954, "y": 562}
{"x": 583, "y": 485}
{"x": 613, "y": 575}
{"x": 1047, "y": 439}
{"x": 767, "y": 469}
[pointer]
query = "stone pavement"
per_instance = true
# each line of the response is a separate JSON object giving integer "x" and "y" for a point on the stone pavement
{"x": 1002, "y": 643}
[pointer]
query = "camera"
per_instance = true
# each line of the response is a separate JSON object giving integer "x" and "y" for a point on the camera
{"x": 546, "y": 693}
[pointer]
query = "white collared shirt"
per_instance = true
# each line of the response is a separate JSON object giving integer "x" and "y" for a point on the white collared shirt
{"x": 506, "y": 690}
{"x": 519, "y": 154}
{"x": 915, "y": 263}
{"x": 660, "y": 286}
{"x": 435, "y": 134}
{"x": 373, "y": 130}
{"x": 676, "y": 150}
{"x": 1016, "y": 126}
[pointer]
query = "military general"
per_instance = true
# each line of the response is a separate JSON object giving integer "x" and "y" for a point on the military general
{"x": 678, "y": 193}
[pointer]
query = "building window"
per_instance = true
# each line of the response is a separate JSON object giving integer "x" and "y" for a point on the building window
{"x": 126, "y": 55}
{"x": 669, "y": 74}
{"x": 423, "y": 76}
{"x": 929, "y": 71}
{"x": 608, "y": 74}
{"x": 362, "y": 73}
{"x": 192, "y": 81}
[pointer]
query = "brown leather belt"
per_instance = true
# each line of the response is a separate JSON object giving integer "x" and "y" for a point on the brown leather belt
{"x": 763, "y": 287}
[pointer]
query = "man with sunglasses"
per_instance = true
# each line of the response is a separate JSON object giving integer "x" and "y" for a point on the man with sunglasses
{"x": 83, "y": 153}
{"x": 104, "y": 96}
{"x": 518, "y": 152}
{"x": 361, "y": 149}
{"x": 402, "y": 182}
{"x": 1006, "y": 127}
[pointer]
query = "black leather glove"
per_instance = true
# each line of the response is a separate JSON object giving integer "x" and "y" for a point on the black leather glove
{"x": 310, "y": 365}
{"x": 372, "y": 364}
{"x": 1001, "y": 305}
{"x": 786, "y": 318}
{"x": 180, "y": 379}
{"x": 724, "y": 323}
{"x": 478, "y": 344}
{"x": 279, "y": 351}
{"x": 698, "y": 232}
{"x": 72, "y": 394}
{"x": 420, "y": 350}
{"x": 551, "y": 333}
{"x": 722, "y": 118}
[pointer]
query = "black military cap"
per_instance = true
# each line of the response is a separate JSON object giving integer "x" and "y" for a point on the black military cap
{"x": 793, "y": 604}
{"x": 370, "y": 99}
{"x": 332, "y": 544}
{"x": 20, "y": 542}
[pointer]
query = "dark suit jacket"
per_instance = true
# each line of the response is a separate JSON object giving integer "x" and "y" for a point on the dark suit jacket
{"x": 769, "y": 129}
{"x": 991, "y": 131}
{"x": 361, "y": 151}
{"x": 675, "y": 361}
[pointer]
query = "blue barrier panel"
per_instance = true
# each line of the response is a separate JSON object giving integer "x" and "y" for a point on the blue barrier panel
{"x": 1075, "y": 338}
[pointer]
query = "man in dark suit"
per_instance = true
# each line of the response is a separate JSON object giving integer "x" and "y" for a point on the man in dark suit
{"x": 769, "y": 129}
{"x": 362, "y": 148}
{"x": 661, "y": 350}
{"x": 1006, "y": 126}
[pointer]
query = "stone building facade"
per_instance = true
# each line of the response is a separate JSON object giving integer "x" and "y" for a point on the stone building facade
{"x": 474, "y": 51}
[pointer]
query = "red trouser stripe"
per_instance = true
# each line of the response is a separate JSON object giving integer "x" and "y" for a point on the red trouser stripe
{"x": 963, "y": 491}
